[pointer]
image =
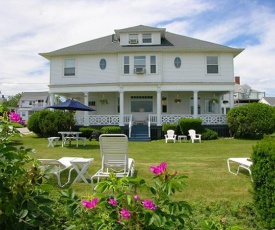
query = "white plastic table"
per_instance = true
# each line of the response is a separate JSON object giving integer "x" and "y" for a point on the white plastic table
{"x": 81, "y": 166}
{"x": 180, "y": 137}
{"x": 69, "y": 135}
{"x": 53, "y": 141}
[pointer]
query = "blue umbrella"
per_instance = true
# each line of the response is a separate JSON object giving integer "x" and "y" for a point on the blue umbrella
{"x": 71, "y": 105}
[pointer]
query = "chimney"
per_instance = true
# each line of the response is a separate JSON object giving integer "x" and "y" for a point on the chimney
{"x": 237, "y": 80}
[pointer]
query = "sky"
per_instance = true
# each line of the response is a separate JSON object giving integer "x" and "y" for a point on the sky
{"x": 30, "y": 27}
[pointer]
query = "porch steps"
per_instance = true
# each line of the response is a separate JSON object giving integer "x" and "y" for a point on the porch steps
{"x": 140, "y": 133}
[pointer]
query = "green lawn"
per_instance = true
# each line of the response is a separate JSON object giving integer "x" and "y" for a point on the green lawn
{"x": 204, "y": 164}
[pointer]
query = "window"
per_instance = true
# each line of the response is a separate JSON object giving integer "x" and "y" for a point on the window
{"x": 212, "y": 64}
{"x": 146, "y": 38}
{"x": 142, "y": 104}
{"x": 69, "y": 69}
{"x": 133, "y": 38}
{"x": 177, "y": 62}
{"x": 92, "y": 103}
{"x": 126, "y": 65}
{"x": 153, "y": 66}
{"x": 139, "y": 61}
{"x": 102, "y": 64}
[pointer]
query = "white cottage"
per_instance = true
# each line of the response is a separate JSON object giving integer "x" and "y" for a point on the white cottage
{"x": 144, "y": 76}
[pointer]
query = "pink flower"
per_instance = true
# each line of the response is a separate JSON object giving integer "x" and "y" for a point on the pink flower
{"x": 159, "y": 169}
{"x": 125, "y": 213}
{"x": 112, "y": 202}
{"x": 136, "y": 197}
{"x": 90, "y": 204}
{"x": 148, "y": 204}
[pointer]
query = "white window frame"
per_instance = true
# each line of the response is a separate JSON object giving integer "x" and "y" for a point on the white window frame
{"x": 126, "y": 64}
{"x": 153, "y": 63}
{"x": 213, "y": 63}
{"x": 70, "y": 63}
{"x": 147, "y": 38}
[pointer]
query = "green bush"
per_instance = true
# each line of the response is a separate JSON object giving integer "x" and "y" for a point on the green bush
{"x": 89, "y": 132}
{"x": 253, "y": 120}
{"x": 110, "y": 130}
{"x": 47, "y": 123}
{"x": 166, "y": 127}
{"x": 24, "y": 201}
{"x": 263, "y": 174}
{"x": 209, "y": 134}
{"x": 190, "y": 123}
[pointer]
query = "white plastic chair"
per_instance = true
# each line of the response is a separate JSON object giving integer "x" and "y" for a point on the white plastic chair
{"x": 56, "y": 167}
{"x": 193, "y": 136}
{"x": 114, "y": 157}
{"x": 170, "y": 136}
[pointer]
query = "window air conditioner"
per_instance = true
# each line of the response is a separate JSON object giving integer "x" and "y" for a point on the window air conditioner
{"x": 139, "y": 70}
{"x": 133, "y": 41}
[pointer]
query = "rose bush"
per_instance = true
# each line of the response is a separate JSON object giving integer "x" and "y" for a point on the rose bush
{"x": 116, "y": 204}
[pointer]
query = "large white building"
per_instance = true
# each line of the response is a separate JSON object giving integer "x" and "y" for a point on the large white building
{"x": 144, "y": 75}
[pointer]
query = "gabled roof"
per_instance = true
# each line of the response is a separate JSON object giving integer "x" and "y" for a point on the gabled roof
{"x": 270, "y": 100}
{"x": 170, "y": 43}
{"x": 34, "y": 95}
{"x": 140, "y": 28}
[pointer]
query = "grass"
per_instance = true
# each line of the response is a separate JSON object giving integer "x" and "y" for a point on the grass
{"x": 204, "y": 164}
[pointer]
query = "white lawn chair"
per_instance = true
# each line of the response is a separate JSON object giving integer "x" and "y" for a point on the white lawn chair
{"x": 244, "y": 163}
{"x": 114, "y": 156}
{"x": 193, "y": 136}
{"x": 170, "y": 136}
{"x": 56, "y": 167}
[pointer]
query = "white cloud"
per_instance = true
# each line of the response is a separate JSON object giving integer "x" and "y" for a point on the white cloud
{"x": 37, "y": 26}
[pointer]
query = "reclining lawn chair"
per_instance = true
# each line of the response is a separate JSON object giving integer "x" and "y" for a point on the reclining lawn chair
{"x": 56, "y": 167}
{"x": 114, "y": 157}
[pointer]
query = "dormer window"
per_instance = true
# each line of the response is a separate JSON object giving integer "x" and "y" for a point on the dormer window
{"x": 146, "y": 38}
{"x": 133, "y": 38}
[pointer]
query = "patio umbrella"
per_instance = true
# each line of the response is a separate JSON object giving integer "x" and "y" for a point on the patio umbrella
{"x": 71, "y": 105}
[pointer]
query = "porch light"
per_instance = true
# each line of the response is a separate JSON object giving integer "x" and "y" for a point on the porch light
{"x": 177, "y": 100}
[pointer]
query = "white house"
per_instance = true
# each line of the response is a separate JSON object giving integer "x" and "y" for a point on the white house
{"x": 31, "y": 102}
{"x": 268, "y": 100}
{"x": 147, "y": 76}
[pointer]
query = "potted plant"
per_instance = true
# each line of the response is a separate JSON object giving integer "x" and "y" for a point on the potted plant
{"x": 104, "y": 101}
{"x": 214, "y": 100}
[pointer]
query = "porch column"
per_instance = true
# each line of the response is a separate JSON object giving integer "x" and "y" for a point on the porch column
{"x": 231, "y": 99}
{"x": 52, "y": 99}
{"x": 159, "y": 122}
{"x": 121, "y": 107}
{"x": 195, "y": 103}
{"x": 86, "y": 114}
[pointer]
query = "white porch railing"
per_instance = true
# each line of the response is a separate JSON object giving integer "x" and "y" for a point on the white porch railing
{"x": 208, "y": 119}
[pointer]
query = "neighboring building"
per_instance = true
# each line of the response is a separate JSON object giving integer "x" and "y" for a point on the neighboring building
{"x": 243, "y": 94}
{"x": 268, "y": 100}
{"x": 31, "y": 102}
{"x": 147, "y": 76}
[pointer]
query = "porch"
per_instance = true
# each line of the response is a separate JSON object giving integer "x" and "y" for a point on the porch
{"x": 213, "y": 121}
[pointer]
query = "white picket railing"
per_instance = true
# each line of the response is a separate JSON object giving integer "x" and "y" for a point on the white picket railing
{"x": 208, "y": 119}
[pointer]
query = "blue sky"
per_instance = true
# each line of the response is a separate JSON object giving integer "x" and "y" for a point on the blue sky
{"x": 30, "y": 27}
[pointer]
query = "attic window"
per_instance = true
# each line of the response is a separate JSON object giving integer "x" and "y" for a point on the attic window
{"x": 69, "y": 68}
{"x": 146, "y": 38}
{"x": 133, "y": 38}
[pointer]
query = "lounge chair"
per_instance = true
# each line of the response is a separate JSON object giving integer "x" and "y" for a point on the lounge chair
{"x": 244, "y": 163}
{"x": 56, "y": 167}
{"x": 194, "y": 136}
{"x": 114, "y": 157}
{"x": 170, "y": 136}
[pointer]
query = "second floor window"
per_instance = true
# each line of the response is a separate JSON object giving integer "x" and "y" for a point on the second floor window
{"x": 212, "y": 64}
{"x": 139, "y": 62}
{"x": 69, "y": 67}
{"x": 126, "y": 65}
{"x": 153, "y": 64}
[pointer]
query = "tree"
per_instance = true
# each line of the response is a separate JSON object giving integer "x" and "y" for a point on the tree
{"x": 253, "y": 120}
{"x": 13, "y": 100}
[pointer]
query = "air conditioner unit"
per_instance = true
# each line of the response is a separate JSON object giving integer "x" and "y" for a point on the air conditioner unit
{"x": 133, "y": 41}
{"x": 139, "y": 70}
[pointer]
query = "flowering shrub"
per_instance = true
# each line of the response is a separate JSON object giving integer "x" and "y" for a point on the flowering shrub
{"x": 15, "y": 117}
{"x": 117, "y": 205}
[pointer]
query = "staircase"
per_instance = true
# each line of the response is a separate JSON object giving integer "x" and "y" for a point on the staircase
{"x": 139, "y": 133}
